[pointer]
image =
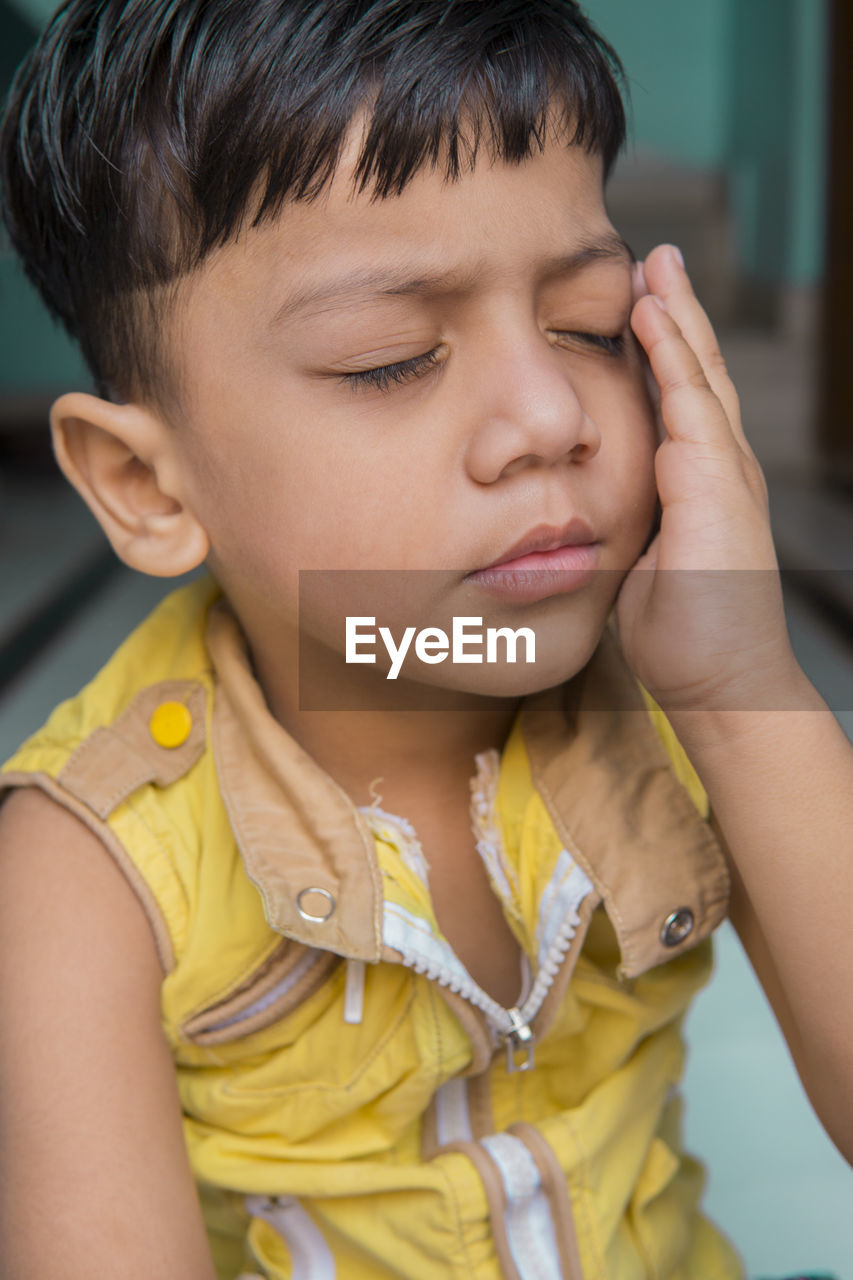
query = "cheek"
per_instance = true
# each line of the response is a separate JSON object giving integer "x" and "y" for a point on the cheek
{"x": 272, "y": 513}
{"x": 237, "y": 495}
{"x": 631, "y": 431}
{"x": 628, "y": 451}
{"x": 640, "y": 486}
{"x": 640, "y": 450}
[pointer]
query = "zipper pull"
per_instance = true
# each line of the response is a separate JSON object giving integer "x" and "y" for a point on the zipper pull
{"x": 519, "y": 1039}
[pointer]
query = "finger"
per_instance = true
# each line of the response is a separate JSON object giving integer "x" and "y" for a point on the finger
{"x": 639, "y": 288}
{"x": 665, "y": 276}
{"x": 690, "y": 408}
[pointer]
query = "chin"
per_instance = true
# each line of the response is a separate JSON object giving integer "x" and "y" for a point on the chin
{"x": 558, "y": 643}
{"x": 555, "y": 664}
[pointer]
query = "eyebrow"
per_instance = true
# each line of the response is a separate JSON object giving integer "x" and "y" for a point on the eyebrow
{"x": 367, "y": 284}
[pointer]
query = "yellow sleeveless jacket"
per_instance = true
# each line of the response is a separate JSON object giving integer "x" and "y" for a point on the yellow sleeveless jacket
{"x": 355, "y": 1106}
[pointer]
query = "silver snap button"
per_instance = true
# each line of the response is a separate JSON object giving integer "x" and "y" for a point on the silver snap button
{"x": 315, "y": 905}
{"x": 676, "y": 927}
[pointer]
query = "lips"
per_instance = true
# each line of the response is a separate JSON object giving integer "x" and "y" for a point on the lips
{"x": 544, "y": 537}
{"x": 549, "y": 560}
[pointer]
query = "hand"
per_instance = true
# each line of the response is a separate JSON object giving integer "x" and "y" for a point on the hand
{"x": 700, "y": 615}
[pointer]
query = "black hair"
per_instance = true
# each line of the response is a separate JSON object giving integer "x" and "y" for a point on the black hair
{"x": 141, "y": 134}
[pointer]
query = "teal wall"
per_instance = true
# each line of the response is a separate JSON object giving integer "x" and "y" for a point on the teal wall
{"x": 808, "y": 170}
{"x": 35, "y": 353}
{"x": 763, "y": 93}
{"x": 675, "y": 54}
{"x": 736, "y": 85}
{"x": 36, "y": 12}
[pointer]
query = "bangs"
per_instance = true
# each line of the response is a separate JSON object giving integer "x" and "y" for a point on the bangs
{"x": 437, "y": 82}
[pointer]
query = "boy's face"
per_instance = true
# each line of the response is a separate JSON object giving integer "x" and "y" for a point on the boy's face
{"x": 518, "y": 400}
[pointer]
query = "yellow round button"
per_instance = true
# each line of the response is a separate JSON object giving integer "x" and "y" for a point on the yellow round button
{"x": 170, "y": 724}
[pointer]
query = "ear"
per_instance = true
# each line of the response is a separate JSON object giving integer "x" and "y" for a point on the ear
{"x": 121, "y": 459}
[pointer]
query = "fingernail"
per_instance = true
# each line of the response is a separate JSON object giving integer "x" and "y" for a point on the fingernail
{"x": 659, "y": 301}
{"x": 677, "y": 255}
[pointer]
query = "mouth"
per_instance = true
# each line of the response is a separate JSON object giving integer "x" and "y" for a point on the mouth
{"x": 548, "y": 560}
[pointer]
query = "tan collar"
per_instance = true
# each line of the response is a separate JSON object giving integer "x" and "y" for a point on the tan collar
{"x": 598, "y": 762}
{"x": 595, "y": 757}
{"x": 304, "y": 843}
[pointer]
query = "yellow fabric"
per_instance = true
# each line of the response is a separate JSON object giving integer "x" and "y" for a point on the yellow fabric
{"x": 333, "y": 1112}
{"x": 681, "y": 766}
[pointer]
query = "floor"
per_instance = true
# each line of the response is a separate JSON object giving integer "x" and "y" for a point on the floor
{"x": 777, "y": 1185}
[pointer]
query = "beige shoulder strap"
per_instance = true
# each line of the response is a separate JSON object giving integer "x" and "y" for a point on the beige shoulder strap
{"x": 157, "y": 738}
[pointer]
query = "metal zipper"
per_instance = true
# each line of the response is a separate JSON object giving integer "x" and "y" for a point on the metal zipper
{"x": 510, "y": 1027}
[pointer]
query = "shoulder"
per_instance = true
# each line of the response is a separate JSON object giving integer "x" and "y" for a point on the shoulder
{"x": 106, "y": 757}
{"x": 54, "y": 876}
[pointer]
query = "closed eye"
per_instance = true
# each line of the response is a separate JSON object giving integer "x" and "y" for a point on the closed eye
{"x": 612, "y": 345}
{"x": 386, "y": 375}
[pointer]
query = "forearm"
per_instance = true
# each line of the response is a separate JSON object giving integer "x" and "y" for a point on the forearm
{"x": 701, "y": 617}
{"x": 781, "y": 789}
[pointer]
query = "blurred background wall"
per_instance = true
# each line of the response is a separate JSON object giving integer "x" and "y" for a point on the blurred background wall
{"x": 736, "y": 89}
{"x": 36, "y": 358}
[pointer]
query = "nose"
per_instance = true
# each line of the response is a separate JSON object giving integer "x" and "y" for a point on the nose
{"x": 528, "y": 412}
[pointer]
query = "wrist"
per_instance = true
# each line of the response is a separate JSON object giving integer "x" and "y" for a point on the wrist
{"x": 743, "y": 712}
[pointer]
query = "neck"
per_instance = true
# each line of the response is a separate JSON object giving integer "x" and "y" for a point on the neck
{"x": 412, "y": 752}
{"x": 418, "y": 740}
{"x": 359, "y": 726}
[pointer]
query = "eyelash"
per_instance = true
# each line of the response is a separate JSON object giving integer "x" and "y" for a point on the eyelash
{"x": 611, "y": 345}
{"x": 403, "y": 371}
{"x": 386, "y": 374}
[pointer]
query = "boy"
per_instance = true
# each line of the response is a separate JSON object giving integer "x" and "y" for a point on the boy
{"x": 348, "y": 289}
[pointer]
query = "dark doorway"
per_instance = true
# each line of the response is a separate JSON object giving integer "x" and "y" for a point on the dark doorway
{"x": 835, "y": 428}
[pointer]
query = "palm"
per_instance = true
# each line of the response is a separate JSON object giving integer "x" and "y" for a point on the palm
{"x": 700, "y": 614}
